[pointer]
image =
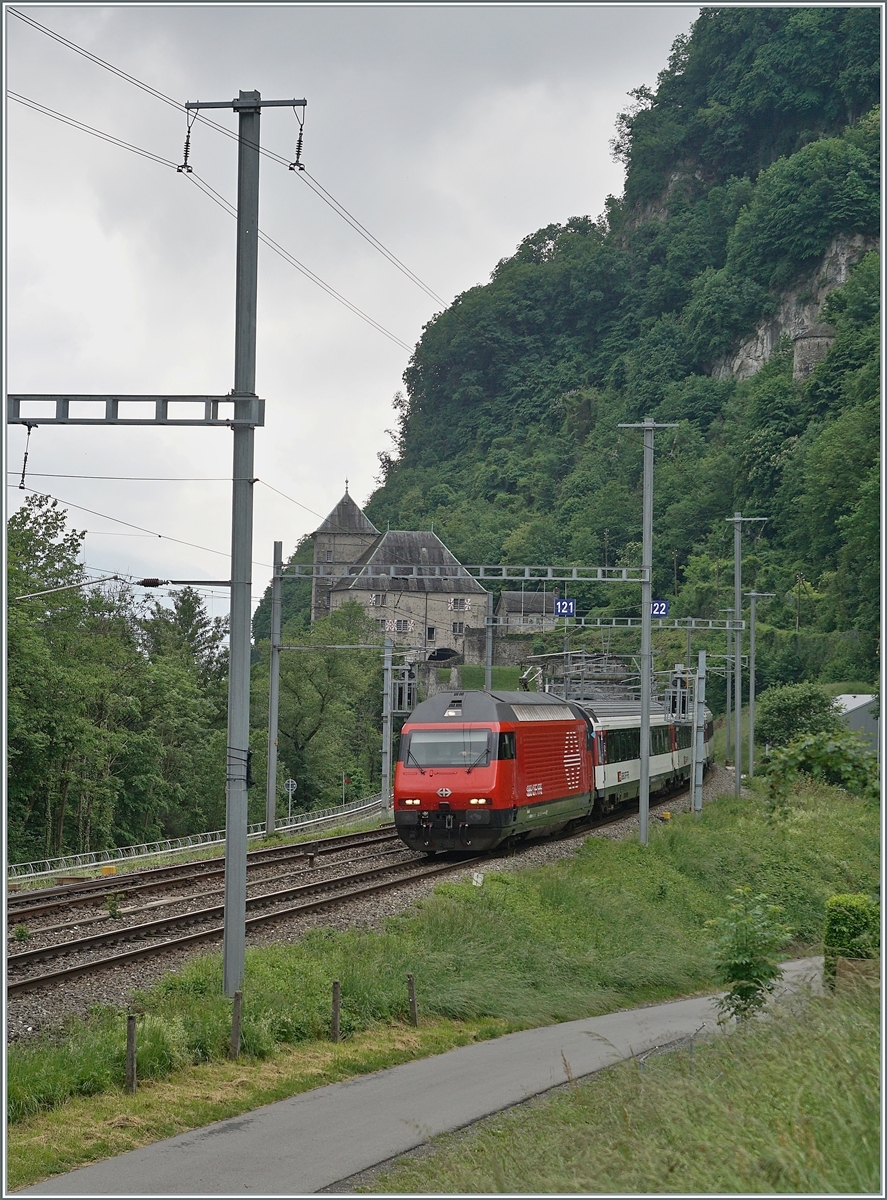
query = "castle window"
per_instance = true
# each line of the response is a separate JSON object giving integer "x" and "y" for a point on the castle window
{"x": 430, "y": 633}
{"x": 377, "y": 599}
{"x": 329, "y": 556}
{"x": 458, "y": 604}
{"x": 389, "y": 626}
{"x": 458, "y": 627}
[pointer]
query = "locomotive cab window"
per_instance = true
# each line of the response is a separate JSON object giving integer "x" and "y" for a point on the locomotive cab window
{"x": 446, "y": 748}
{"x": 506, "y": 745}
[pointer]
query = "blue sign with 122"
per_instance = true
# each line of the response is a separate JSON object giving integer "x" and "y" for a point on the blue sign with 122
{"x": 659, "y": 608}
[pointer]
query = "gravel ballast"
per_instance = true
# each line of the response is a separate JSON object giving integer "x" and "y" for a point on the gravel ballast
{"x": 47, "y": 1008}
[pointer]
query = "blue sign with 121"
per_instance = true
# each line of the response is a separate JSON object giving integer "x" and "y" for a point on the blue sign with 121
{"x": 565, "y": 608}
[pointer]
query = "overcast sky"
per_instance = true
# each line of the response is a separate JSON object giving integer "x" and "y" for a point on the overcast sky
{"x": 449, "y": 132}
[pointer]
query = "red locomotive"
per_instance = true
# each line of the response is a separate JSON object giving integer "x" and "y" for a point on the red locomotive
{"x": 477, "y": 768}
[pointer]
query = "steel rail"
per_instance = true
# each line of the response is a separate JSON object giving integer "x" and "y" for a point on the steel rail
{"x": 37, "y": 901}
{"x": 33, "y": 981}
{"x": 193, "y": 916}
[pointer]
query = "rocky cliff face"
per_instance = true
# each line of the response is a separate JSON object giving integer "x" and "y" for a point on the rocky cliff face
{"x": 798, "y": 315}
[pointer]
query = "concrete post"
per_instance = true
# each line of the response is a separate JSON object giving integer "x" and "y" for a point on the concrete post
{"x": 646, "y": 633}
{"x": 649, "y": 426}
{"x": 699, "y": 735}
{"x": 273, "y": 692}
{"x": 754, "y": 597}
{"x": 737, "y": 648}
{"x": 488, "y": 659}
{"x": 241, "y": 541}
{"x": 386, "y": 729}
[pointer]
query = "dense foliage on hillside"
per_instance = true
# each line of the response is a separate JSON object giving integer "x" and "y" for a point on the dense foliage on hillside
{"x": 758, "y": 152}
{"x": 748, "y": 86}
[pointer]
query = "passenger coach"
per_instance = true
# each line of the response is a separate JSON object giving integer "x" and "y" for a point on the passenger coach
{"x": 477, "y": 768}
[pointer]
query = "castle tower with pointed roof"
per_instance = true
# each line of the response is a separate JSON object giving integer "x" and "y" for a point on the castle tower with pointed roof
{"x": 341, "y": 539}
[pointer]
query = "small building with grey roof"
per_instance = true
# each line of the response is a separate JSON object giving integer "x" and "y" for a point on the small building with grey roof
{"x": 528, "y": 610}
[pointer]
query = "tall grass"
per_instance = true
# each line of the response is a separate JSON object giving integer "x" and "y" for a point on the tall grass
{"x": 616, "y": 925}
{"x": 787, "y": 1105}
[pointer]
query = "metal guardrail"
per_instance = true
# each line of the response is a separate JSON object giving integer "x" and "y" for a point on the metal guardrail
{"x": 74, "y": 862}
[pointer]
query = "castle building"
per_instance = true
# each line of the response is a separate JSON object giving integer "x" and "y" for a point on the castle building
{"x": 431, "y": 615}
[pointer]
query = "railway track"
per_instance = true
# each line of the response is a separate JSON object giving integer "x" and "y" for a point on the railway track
{"x": 205, "y": 924}
{"x": 23, "y": 907}
{"x": 287, "y": 902}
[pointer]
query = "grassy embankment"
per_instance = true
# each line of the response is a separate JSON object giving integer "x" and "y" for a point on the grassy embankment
{"x": 790, "y": 1104}
{"x": 615, "y": 926}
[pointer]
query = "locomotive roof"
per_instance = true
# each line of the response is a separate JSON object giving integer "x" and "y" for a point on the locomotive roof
{"x": 491, "y": 706}
{"x": 498, "y": 706}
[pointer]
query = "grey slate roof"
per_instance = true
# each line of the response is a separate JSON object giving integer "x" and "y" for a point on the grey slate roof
{"x": 347, "y": 517}
{"x": 409, "y": 548}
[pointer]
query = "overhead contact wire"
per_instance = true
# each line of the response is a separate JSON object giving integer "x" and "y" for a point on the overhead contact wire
{"x": 283, "y": 253}
{"x": 129, "y": 524}
{"x": 310, "y": 182}
{"x": 213, "y": 195}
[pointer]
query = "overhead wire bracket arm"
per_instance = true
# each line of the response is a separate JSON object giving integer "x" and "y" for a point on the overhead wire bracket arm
{"x": 237, "y": 105}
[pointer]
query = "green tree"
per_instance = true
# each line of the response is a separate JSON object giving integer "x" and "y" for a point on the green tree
{"x": 114, "y": 710}
{"x": 786, "y": 713}
{"x": 330, "y": 705}
{"x": 748, "y": 939}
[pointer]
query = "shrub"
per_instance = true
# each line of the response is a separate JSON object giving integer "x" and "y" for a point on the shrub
{"x": 745, "y": 953}
{"x": 785, "y": 713}
{"x": 839, "y": 758}
{"x": 852, "y": 929}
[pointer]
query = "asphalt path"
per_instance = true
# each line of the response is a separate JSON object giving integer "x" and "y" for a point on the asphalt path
{"x": 321, "y": 1138}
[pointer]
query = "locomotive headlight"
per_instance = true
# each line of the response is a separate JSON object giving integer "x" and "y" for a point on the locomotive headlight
{"x": 478, "y": 800}
{"x": 411, "y": 801}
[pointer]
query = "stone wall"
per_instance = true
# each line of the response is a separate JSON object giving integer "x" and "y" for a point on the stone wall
{"x": 509, "y": 650}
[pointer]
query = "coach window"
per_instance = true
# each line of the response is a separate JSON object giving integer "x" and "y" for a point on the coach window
{"x": 623, "y": 745}
{"x": 660, "y": 741}
{"x": 506, "y": 745}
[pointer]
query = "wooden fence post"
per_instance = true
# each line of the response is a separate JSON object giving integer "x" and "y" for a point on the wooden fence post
{"x": 131, "y": 1053}
{"x": 337, "y": 1009}
{"x": 414, "y": 1009}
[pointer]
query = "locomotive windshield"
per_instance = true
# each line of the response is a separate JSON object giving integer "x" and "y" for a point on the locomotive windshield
{"x": 447, "y": 748}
